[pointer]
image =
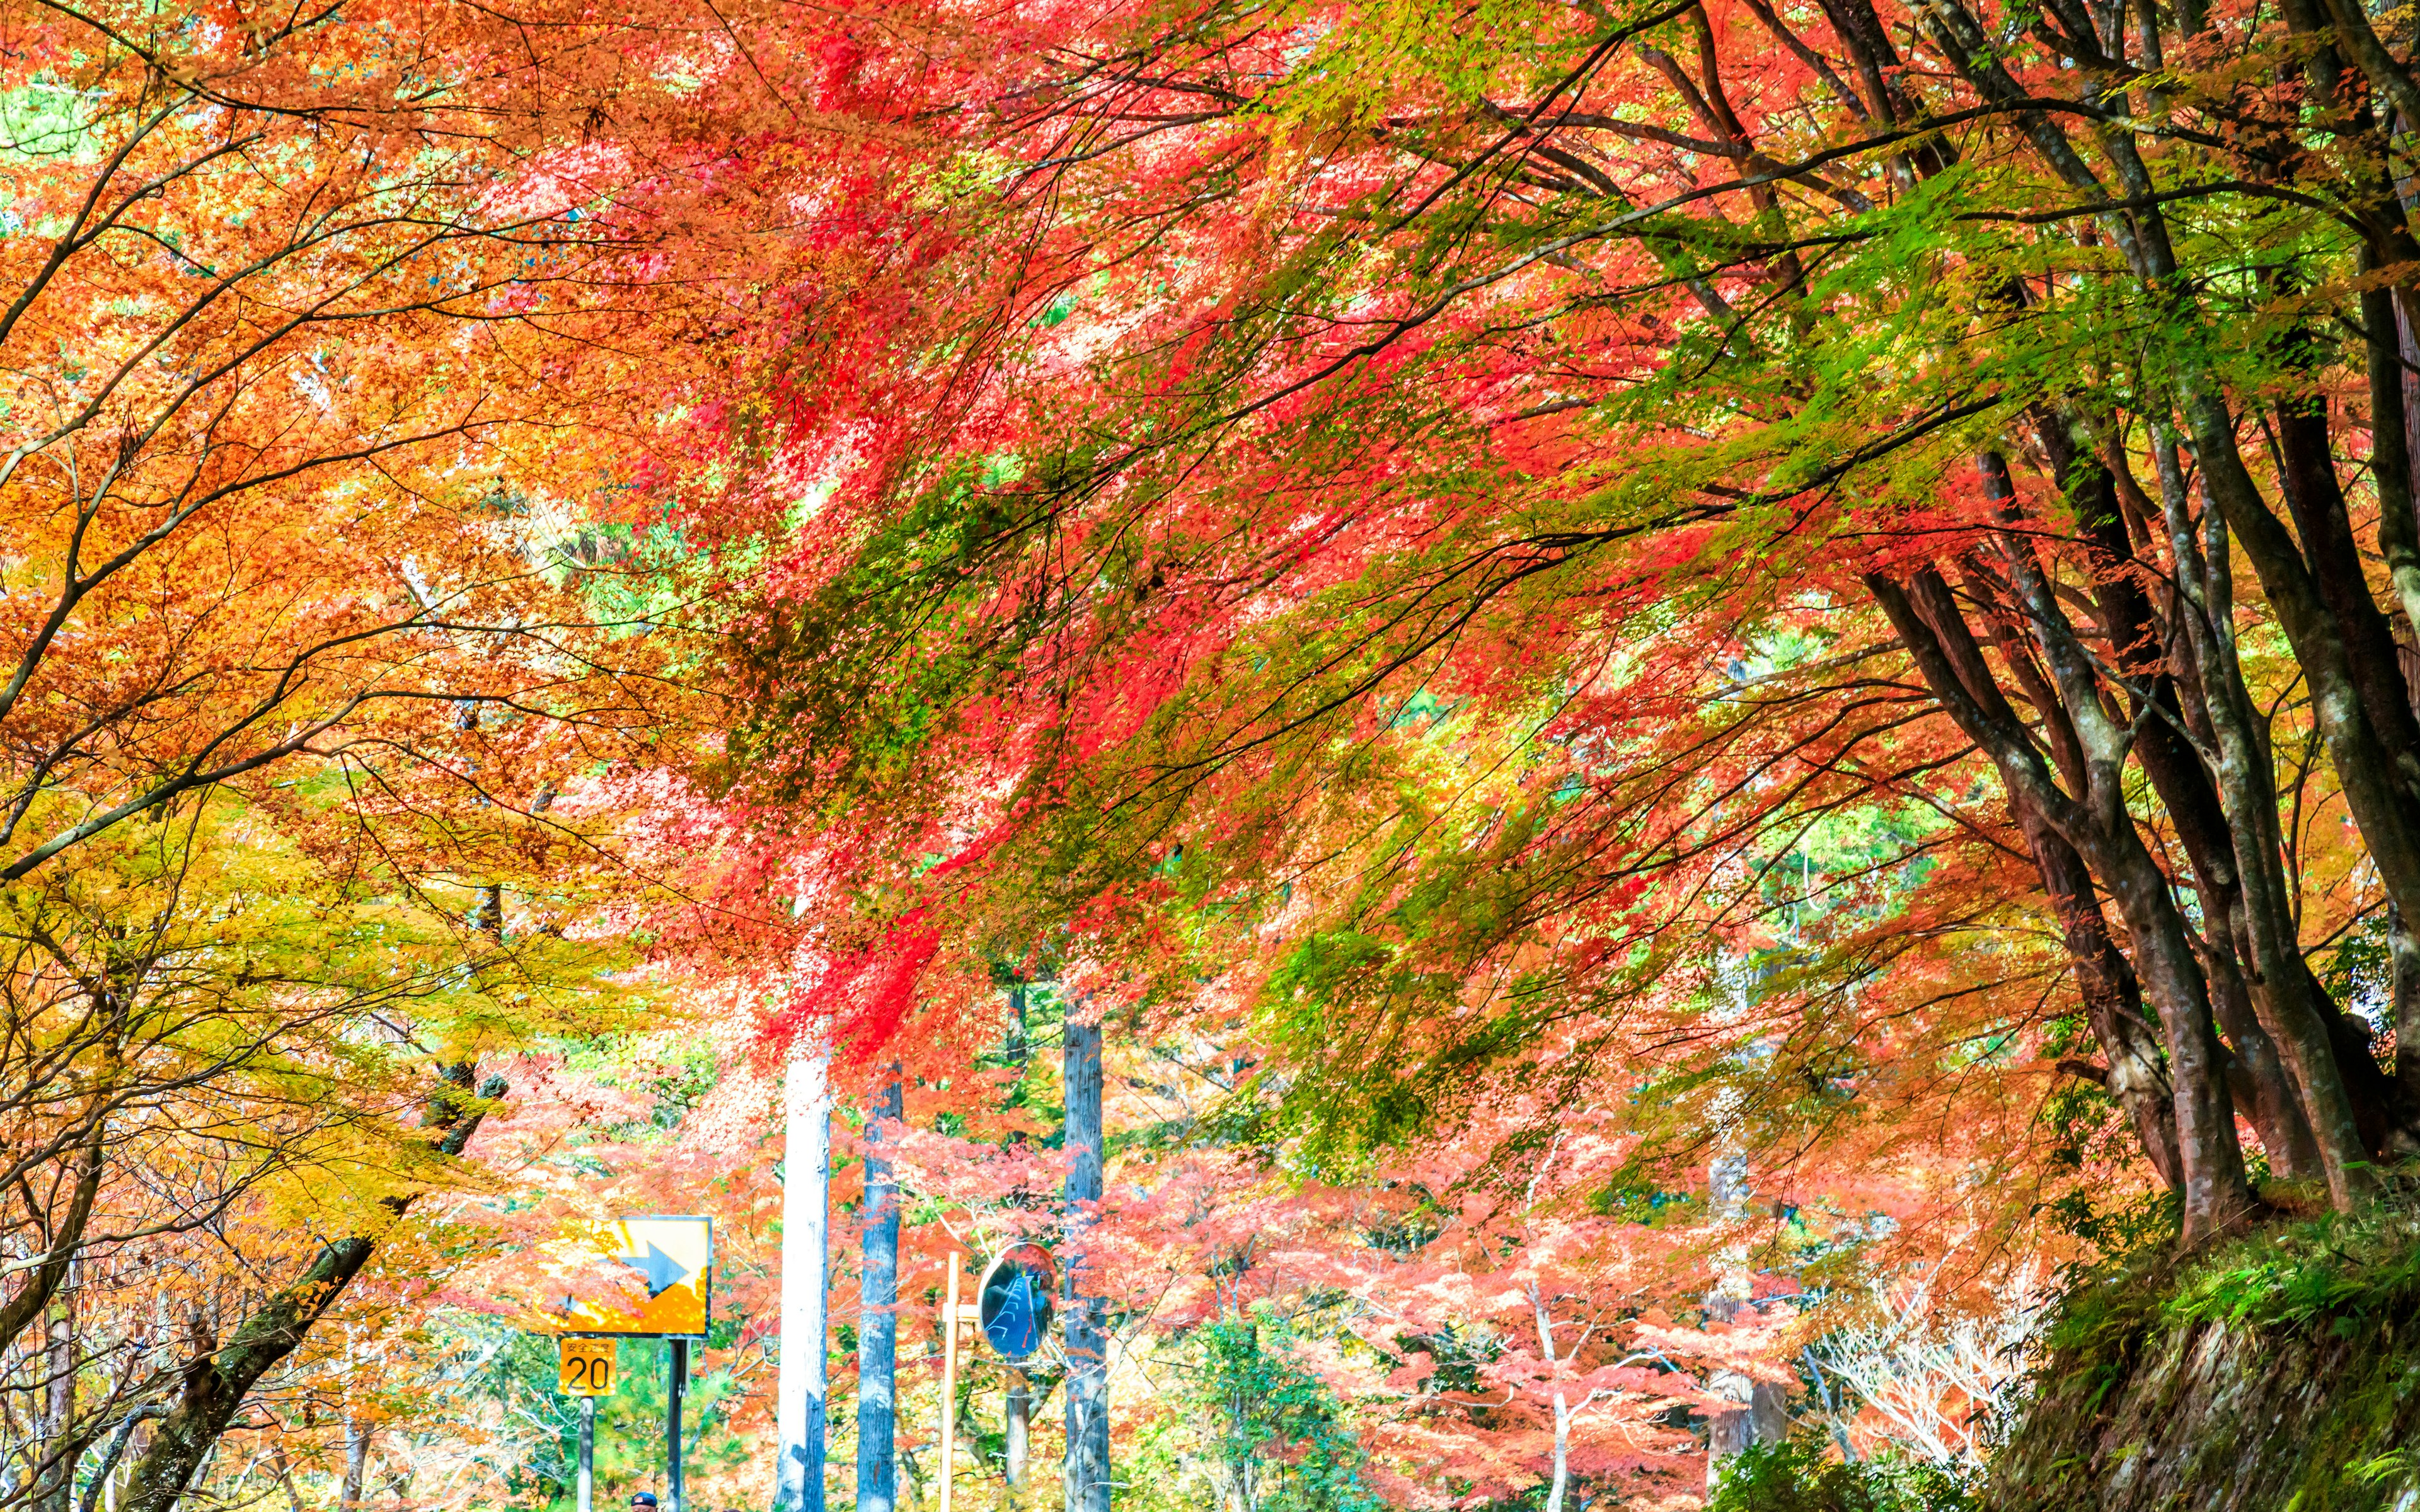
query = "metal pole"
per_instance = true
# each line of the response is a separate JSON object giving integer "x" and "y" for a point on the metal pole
{"x": 587, "y": 1454}
{"x": 672, "y": 1423}
{"x": 1020, "y": 1408}
{"x": 950, "y": 1381}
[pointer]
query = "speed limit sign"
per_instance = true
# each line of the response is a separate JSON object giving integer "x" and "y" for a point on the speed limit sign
{"x": 587, "y": 1369}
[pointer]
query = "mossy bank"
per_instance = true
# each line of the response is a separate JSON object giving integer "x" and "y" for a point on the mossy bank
{"x": 2277, "y": 1373}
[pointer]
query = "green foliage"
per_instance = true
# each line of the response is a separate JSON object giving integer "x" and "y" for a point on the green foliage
{"x": 1800, "y": 1476}
{"x": 2346, "y": 1269}
{"x": 1273, "y": 1425}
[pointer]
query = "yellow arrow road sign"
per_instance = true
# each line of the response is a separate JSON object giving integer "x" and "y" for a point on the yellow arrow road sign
{"x": 670, "y": 1260}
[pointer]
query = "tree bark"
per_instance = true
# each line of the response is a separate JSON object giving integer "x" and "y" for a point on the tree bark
{"x": 214, "y": 1385}
{"x": 2261, "y": 909}
{"x": 2379, "y": 801}
{"x": 1562, "y": 1474}
{"x": 877, "y": 1317}
{"x": 61, "y": 1446}
{"x": 2159, "y": 718}
{"x": 33, "y": 1296}
{"x": 806, "y": 1245}
{"x": 2215, "y": 1194}
{"x": 2113, "y": 999}
{"x": 1086, "y": 1468}
{"x": 357, "y": 1463}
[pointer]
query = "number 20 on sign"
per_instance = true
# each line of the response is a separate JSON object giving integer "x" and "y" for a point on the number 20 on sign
{"x": 587, "y": 1369}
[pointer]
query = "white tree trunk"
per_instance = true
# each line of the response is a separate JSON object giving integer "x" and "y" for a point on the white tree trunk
{"x": 1563, "y": 1404}
{"x": 806, "y": 1235}
{"x": 1562, "y": 1454}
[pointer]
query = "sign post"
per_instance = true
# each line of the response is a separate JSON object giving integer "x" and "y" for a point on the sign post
{"x": 951, "y": 1317}
{"x": 675, "y": 1258}
{"x": 1011, "y": 1307}
{"x": 673, "y": 1423}
{"x": 587, "y": 1454}
{"x": 585, "y": 1370}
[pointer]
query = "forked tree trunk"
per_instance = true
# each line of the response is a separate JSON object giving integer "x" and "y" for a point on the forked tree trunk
{"x": 2211, "y": 1181}
{"x": 2279, "y": 980}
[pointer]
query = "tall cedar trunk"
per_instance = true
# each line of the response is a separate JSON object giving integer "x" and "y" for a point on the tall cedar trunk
{"x": 806, "y": 1249}
{"x": 214, "y": 1385}
{"x": 1087, "y": 1467}
{"x": 877, "y": 1318}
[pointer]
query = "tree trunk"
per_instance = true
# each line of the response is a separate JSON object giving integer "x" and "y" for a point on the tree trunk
{"x": 2113, "y": 998}
{"x": 2262, "y": 913}
{"x": 1086, "y": 1468}
{"x": 1562, "y": 1452}
{"x": 2374, "y": 791}
{"x": 214, "y": 1385}
{"x": 806, "y": 1238}
{"x": 1761, "y": 1415}
{"x": 1017, "y": 1418}
{"x": 56, "y": 1468}
{"x": 44, "y": 1279}
{"x": 2153, "y": 671}
{"x": 877, "y": 1318}
{"x": 2096, "y": 822}
{"x": 357, "y": 1463}
{"x": 1562, "y": 1475}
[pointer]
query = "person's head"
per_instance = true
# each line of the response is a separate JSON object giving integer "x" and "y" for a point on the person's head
{"x": 645, "y": 1498}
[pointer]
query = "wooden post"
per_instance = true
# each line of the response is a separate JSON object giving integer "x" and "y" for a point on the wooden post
{"x": 950, "y": 1381}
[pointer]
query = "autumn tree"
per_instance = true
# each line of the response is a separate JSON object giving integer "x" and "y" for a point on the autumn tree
{"x": 1625, "y": 390}
{"x": 335, "y": 343}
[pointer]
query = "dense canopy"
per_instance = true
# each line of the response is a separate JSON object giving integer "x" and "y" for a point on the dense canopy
{"x": 1684, "y": 691}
